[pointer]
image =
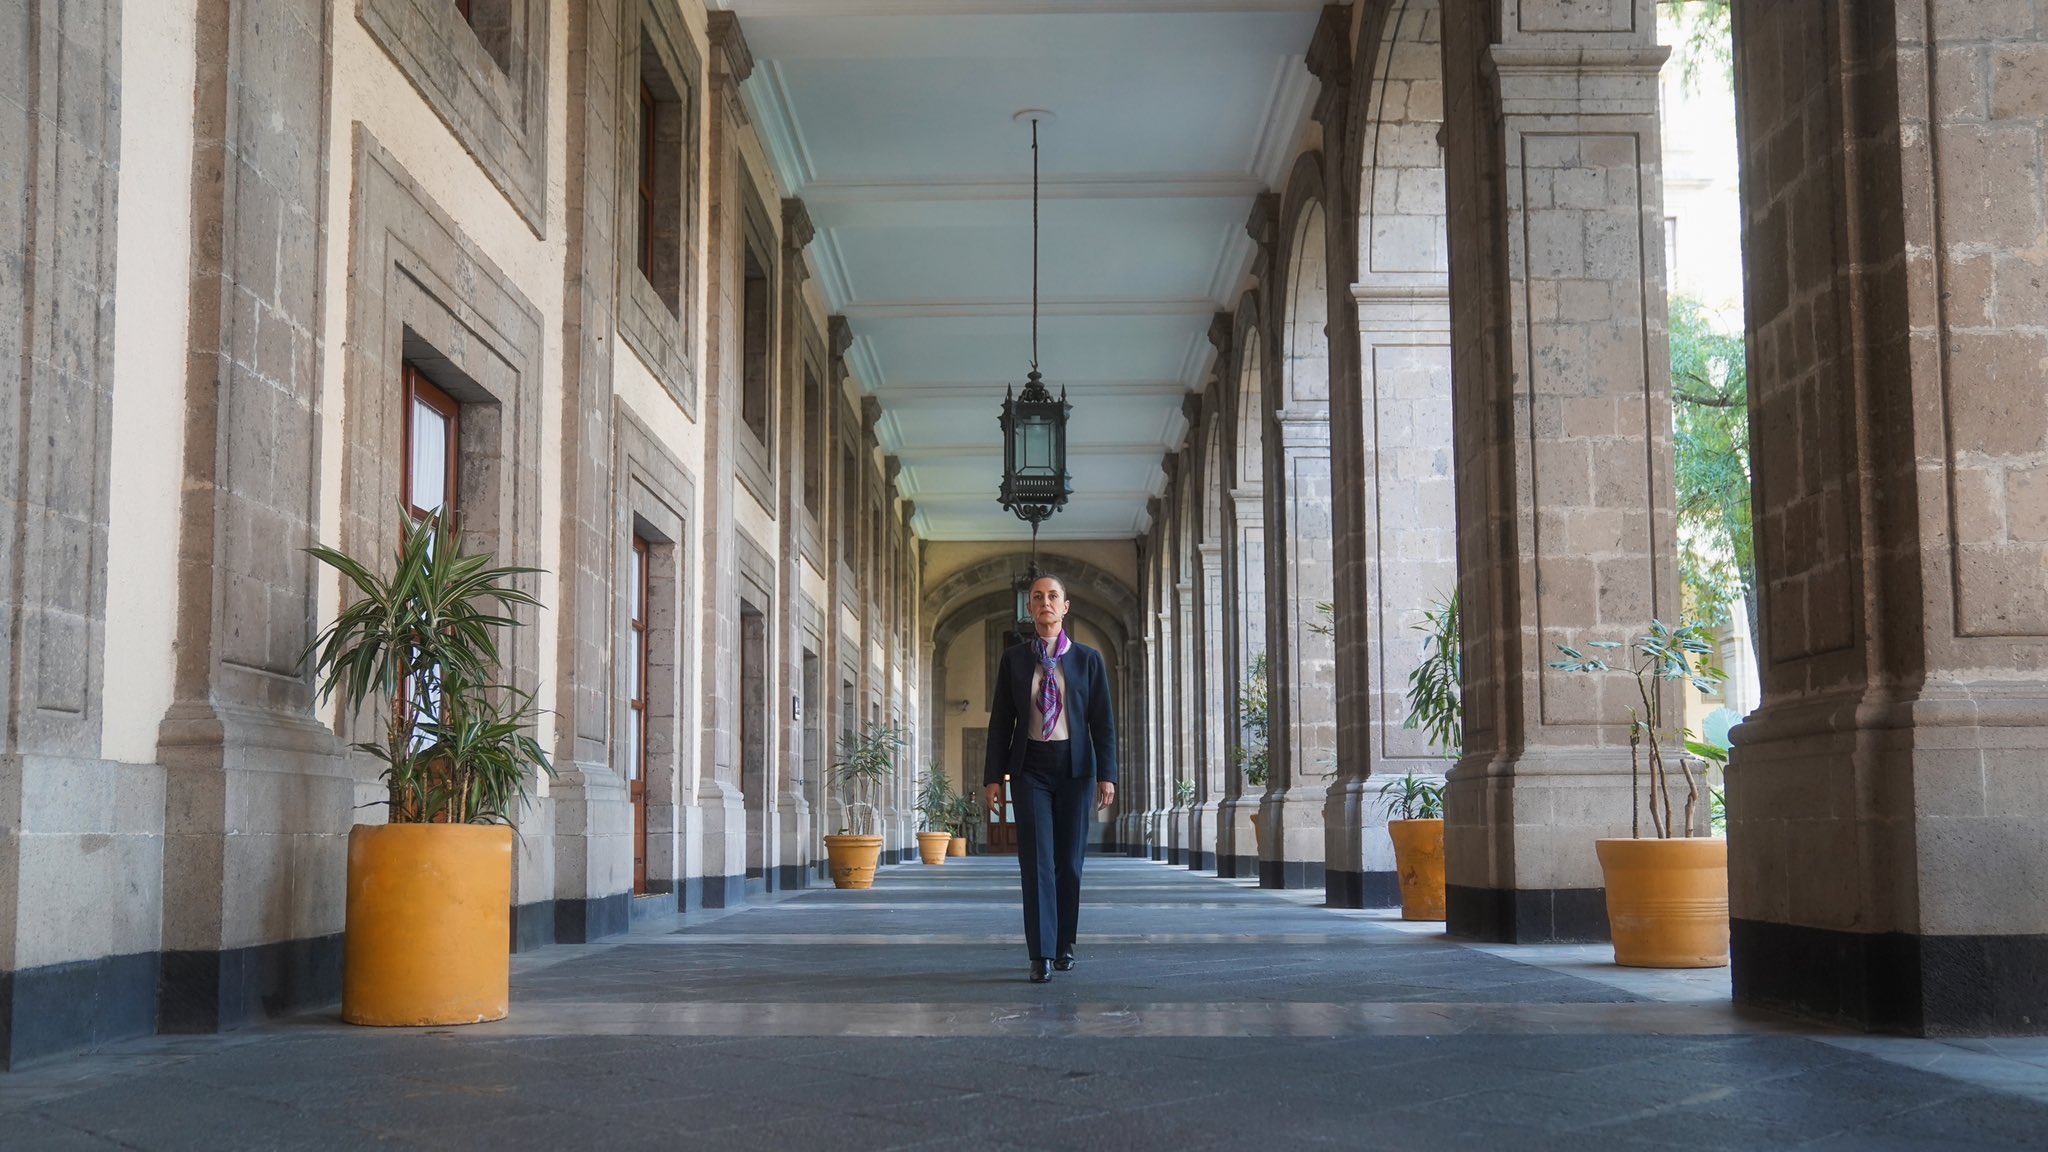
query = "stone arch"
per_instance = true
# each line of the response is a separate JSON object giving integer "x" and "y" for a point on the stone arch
{"x": 979, "y": 591}
{"x": 1300, "y": 557}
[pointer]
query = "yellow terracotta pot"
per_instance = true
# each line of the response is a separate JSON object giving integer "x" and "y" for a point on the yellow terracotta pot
{"x": 1419, "y": 861}
{"x": 957, "y": 846}
{"x": 853, "y": 860}
{"x": 932, "y": 846}
{"x": 1667, "y": 901}
{"x": 429, "y": 924}
{"x": 1258, "y": 837}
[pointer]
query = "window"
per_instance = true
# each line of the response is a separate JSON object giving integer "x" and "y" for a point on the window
{"x": 658, "y": 159}
{"x": 637, "y": 649}
{"x": 432, "y": 435}
{"x": 491, "y": 20}
{"x": 814, "y": 441}
{"x": 754, "y": 347}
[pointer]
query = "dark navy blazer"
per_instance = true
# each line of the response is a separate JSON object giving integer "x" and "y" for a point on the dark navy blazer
{"x": 1013, "y": 714}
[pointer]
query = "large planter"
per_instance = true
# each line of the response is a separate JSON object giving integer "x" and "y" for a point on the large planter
{"x": 957, "y": 846}
{"x": 853, "y": 860}
{"x": 1667, "y": 901}
{"x": 1419, "y": 861}
{"x": 931, "y": 847}
{"x": 429, "y": 924}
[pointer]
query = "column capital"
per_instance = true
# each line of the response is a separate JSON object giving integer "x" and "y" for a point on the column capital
{"x": 735, "y": 59}
{"x": 1574, "y": 80}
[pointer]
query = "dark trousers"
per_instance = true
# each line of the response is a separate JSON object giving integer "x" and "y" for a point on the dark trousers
{"x": 1052, "y": 836}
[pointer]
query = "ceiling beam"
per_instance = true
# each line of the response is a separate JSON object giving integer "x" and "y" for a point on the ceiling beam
{"x": 789, "y": 9}
{"x": 996, "y": 309}
{"x": 935, "y": 190}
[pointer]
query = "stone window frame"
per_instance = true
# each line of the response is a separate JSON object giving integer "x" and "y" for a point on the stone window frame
{"x": 754, "y": 449}
{"x": 657, "y": 315}
{"x": 422, "y": 293}
{"x": 488, "y": 83}
{"x": 656, "y": 500}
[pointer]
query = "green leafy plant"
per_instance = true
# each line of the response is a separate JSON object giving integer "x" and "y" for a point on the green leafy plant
{"x": 1710, "y": 444}
{"x": 1435, "y": 701}
{"x": 1706, "y": 45}
{"x": 965, "y": 814}
{"x": 935, "y": 799}
{"x": 1412, "y": 797}
{"x": 422, "y": 643}
{"x": 1663, "y": 653}
{"x": 867, "y": 758}
{"x": 1717, "y": 796}
{"x": 1183, "y": 793}
{"x": 1255, "y": 715}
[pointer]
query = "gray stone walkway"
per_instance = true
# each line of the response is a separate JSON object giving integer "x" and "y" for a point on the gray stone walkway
{"x": 1203, "y": 1014}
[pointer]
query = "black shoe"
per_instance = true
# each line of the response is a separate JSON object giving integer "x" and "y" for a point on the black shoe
{"x": 1041, "y": 971}
{"x": 1065, "y": 960}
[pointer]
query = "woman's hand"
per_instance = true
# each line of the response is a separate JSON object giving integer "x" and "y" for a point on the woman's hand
{"x": 1105, "y": 794}
{"x": 992, "y": 797}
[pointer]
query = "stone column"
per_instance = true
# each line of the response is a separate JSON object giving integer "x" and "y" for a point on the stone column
{"x": 593, "y": 811}
{"x": 718, "y": 788}
{"x": 258, "y": 798}
{"x": 1563, "y": 441}
{"x": 80, "y": 862}
{"x": 1391, "y": 435}
{"x": 1888, "y": 819}
{"x": 1214, "y": 765}
{"x": 794, "y": 834}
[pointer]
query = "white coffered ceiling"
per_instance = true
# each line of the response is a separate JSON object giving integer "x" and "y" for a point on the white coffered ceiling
{"x": 892, "y": 120}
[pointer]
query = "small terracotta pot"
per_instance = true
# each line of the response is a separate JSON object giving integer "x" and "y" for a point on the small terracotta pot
{"x": 931, "y": 846}
{"x": 1667, "y": 901}
{"x": 1258, "y": 837}
{"x": 957, "y": 846}
{"x": 1419, "y": 861}
{"x": 853, "y": 860}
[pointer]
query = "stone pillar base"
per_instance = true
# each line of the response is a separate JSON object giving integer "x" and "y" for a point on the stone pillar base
{"x": 793, "y": 862}
{"x": 1203, "y": 835}
{"x": 1519, "y": 845}
{"x": 725, "y": 846}
{"x": 1291, "y": 837}
{"x": 257, "y": 811}
{"x": 593, "y": 853}
{"x": 1918, "y": 908}
{"x": 1237, "y": 849}
{"x": 1358, "y": 858}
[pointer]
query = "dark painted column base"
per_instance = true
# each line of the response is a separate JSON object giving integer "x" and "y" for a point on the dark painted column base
{"x": 790, "y": 876}
{"x": 1237, "y": 867}
{"x": 1362, "y": 889}
{"x": 1176, "y": 856}
{"x": 584, "y": 919}
{"x": 1202, "y": 861}
{"x": 1527, "y": 915}
{"x": 1893, "y": 981}
{"x": 218, "y": 991}
{"x": 725, "y": 891}
{"x": 1290, "y": 873}
{"x": 533, "y": 925}
{"x": 61, "y": 1009}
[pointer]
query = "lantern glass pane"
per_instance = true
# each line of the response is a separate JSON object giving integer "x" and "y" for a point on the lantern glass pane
{"x": 1036, "y": 454}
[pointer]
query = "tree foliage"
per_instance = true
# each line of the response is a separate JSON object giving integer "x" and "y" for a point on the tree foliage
{"x": 1254, "y": 711}
{"x": 1434, "y": 703}
{"x": 1705, "y": 45}
{"x": 1710, "y": 402}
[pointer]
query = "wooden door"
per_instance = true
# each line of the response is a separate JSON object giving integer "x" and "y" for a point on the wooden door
{"x": 1002, "y": 823}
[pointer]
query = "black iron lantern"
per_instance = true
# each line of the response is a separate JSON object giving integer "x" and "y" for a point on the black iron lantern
{"x": 1035, "y": 480}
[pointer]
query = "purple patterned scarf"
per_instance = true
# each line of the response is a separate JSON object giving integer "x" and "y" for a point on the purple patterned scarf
{"x": 1049, "y": 702}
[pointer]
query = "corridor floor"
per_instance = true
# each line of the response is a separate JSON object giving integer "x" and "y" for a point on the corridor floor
{"x": 1203, "y": 1014}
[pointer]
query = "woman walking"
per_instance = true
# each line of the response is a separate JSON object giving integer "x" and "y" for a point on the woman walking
{"x": 1050, "y": 733}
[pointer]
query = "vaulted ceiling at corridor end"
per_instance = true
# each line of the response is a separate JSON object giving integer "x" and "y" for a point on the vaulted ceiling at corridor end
{"x": 893, "y": 121}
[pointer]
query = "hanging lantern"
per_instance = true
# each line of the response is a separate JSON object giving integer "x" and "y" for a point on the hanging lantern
{"x": 1035, "y": 480}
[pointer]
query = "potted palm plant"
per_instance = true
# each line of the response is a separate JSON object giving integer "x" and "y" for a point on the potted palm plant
{"x": 1415, "y": 804}
{"x": 430, "y": 891}
{"x": 867, "y": 758}
{"x": 966, "y": 813}
{"x": 1667, "y": 893}
{"x": 935, "y": 802}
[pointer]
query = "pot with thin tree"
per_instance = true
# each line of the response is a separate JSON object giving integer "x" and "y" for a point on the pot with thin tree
{"x": 430, "y": 891}
{"x": 1667, "y": 893}
{"x": 867, "y": 758}
{"x": 935, "y": 802}
{"x": 965, "y": 814}
{"x": 1415, "y": 804}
